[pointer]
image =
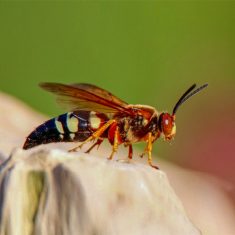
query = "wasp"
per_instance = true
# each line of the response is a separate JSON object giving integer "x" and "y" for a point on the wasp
{"x": 96, "y": 114}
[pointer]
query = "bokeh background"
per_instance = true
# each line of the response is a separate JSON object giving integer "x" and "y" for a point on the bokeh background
{"x": 144, "y": 52}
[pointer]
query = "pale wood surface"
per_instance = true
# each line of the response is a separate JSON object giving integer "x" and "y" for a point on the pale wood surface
{"x": 55, "y": 192}
{"x": 47, "y": 192}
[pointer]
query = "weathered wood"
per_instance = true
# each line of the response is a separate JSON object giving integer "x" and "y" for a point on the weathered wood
{"x": 205, "y": 198}
{"x": 55, "y": 192}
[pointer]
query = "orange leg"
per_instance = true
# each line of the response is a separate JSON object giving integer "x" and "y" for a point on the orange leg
{"x": 148, "y": 150}
{"x": 115, "y": 143}
{"x": 98, "y": 142}
{"x": 95, "y": 135}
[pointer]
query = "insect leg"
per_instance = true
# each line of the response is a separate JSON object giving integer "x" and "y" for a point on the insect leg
{"x": 95, "y": 135}
{"x": 115, "y": 143}
{"x": 98, "y": 142}
{"x": 148, "y": 149}
{"x": 130, "y": 152}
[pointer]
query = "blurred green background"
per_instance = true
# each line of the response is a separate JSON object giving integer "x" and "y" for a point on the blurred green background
{"x": 144, "y": 52}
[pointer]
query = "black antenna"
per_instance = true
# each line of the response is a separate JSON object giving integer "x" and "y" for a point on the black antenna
{"x": 187, "y": 95}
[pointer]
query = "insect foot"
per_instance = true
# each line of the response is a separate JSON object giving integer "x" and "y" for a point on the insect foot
{"x": 76, "y": 148}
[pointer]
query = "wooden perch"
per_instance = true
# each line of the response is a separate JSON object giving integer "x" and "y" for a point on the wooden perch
{"x": 54, "y": 192}
{"x": 50, "y": 192}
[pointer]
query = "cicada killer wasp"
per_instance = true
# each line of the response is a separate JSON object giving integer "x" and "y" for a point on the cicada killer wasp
{"x": 96, "y": 114}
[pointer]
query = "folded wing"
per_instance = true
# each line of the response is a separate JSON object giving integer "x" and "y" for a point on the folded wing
{"x": 88, "y": 97}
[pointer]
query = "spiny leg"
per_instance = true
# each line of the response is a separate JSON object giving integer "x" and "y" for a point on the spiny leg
{"x": 95, "y": 135}
{"x": 98, "y": 142}
{"x": 115, "y": 143}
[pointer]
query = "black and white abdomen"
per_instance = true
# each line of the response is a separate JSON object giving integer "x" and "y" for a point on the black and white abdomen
{"x": 68, "y": 127}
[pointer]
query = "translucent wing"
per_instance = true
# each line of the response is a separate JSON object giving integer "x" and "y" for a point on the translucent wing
{"x": 86, "y": 97}
{"x": 101, "y": 93}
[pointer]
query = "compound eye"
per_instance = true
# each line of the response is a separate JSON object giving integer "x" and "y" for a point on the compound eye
{"x": 167, "y": 123}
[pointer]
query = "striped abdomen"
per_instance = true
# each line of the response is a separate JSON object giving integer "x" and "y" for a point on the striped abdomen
{"x": 68, "y": 127}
